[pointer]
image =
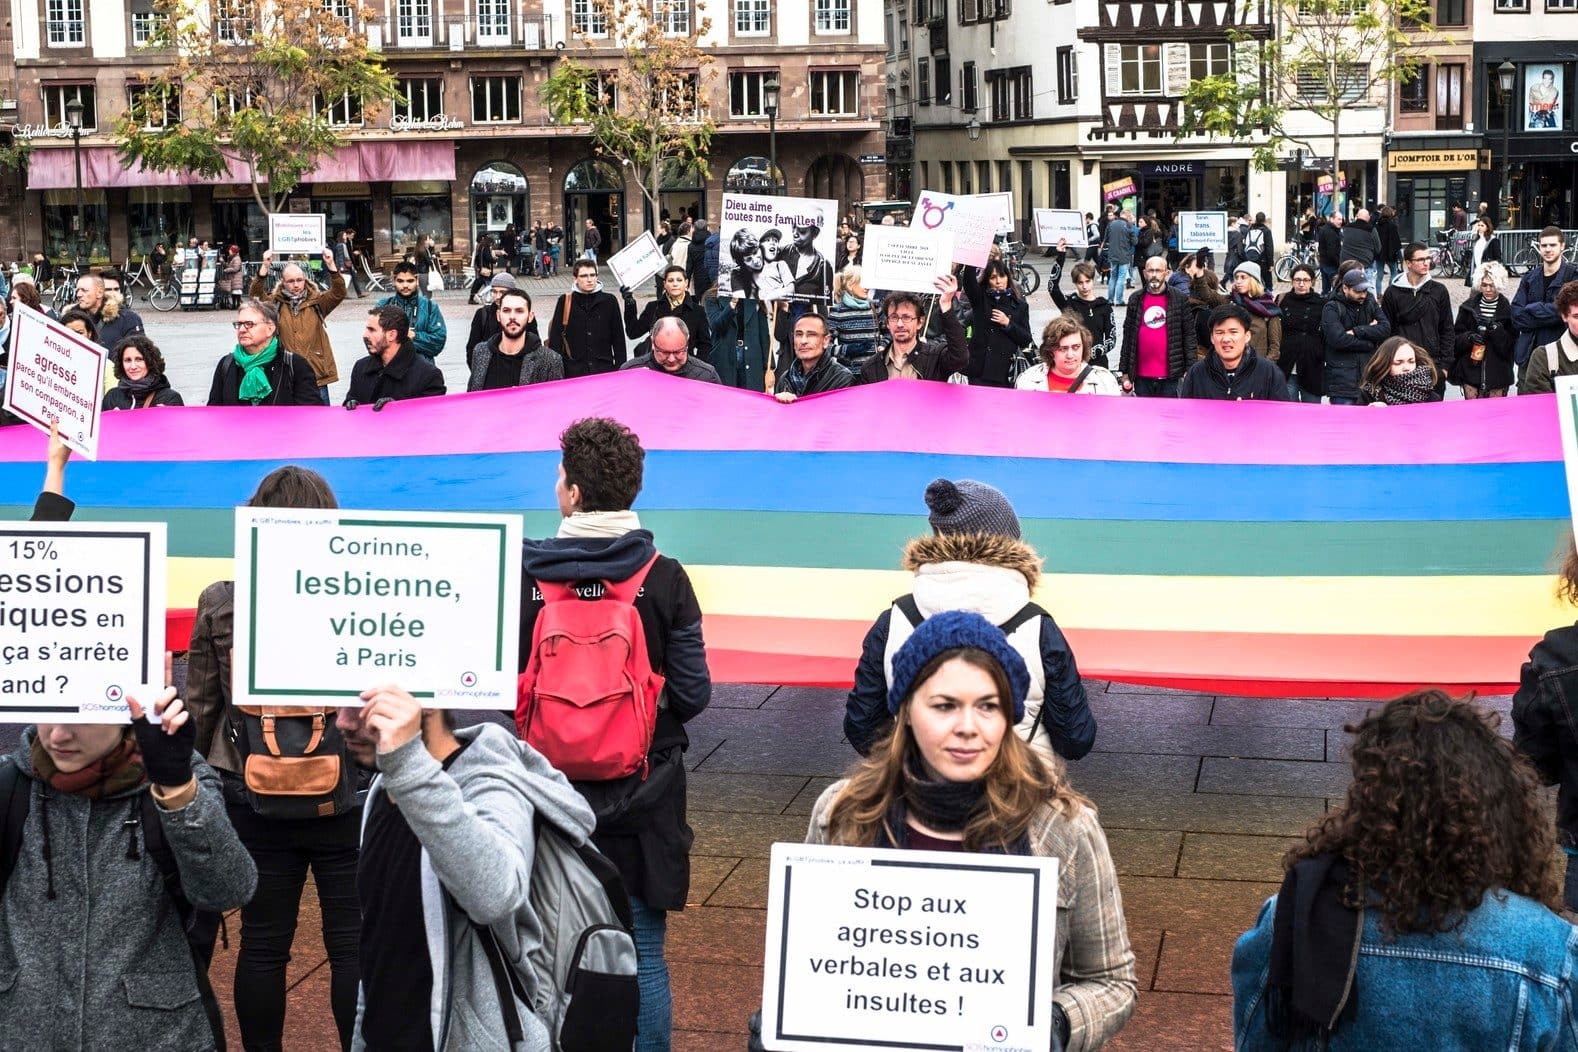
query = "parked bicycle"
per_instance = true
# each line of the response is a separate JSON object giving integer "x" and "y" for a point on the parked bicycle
{"x": 1527, "y": 258}
{"x": 1452, "y": 255}
{"x": 60, "y": 291}
{"x": 1298, "y": 252}
{"x": 1026, "y": 278}
{"x": 162, "y": 293}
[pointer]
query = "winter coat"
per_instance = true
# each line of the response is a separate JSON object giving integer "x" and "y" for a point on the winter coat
{"x": 1180, "y": 334}
{"x": 1265, "y": 325}
{"x": 1122, "y": 240}
{"x": 826, "y": 375}
{"x": 1495, "y": 369}
{"x": 1096, "y": 315}
{"x": 537, "y": 363}
{"x": 1542, "y": 724}
{"x": 854, "y": 325}
{"x": 1359, "y": 243}
{"x": 305, "y": 331}
{"x": 119, "y": 398}
{"x": 428, "y": 331}
{"x": 112, "y": 330}
{"x": 1347, "y": 354}
{"x": 693, "y": 369}
{"x": 689, "y": 311}
{"x": 1538, "y": 376}
{"x": 1202, "y": 301}
{"x": 93, "y": 956}
{"x": 1328, "y": 245}
{"x": 232, "y": 274}
{"x": 741, "y": 336}
{"x": 993, "y": 347}
{"x": 291, "y": 376}
{"x": 1423, "y": 315}
{"x": 1092, "y": 964}
{"x": 648, "y": 839}
{"x": 1303, "y": 346}
{"x": 1492, "y": 254}
{"x": 995, "y": 577}
{"x": 932, "y": 359}
{"x": 208, "y": 675}
{"x": 484, "y": 326}
{"x": 1391, "y": 240}
{"x": 475, "y": 822}
{"x": 408, "y": 375}
{"x": 593, "y": 339}
{"x": 1534, "y": 309}
{"x": 1098, "y": 382}
{"x": 1255, "y": 378}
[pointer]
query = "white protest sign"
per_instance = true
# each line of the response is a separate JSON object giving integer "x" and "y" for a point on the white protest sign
{"x": 905, "y": 258}
{"x": 1197, "y": 230}
{"x": 1060, "y": 224}
{"x": 908, "y": 950}
{"x": 777, "y": 248}
{"x": 56, "y": 373}
{"x": 329, "y": 603}
{"x": 970, "y": 221}
{"x": 297, "y": 235}
{"x": 1567, "y": 408}
{"x": 637, "y": 261}
{"x": 1002, "y": 204}
{"x": 81, "y": 619}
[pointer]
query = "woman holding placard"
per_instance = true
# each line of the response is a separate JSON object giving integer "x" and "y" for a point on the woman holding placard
{"x": 1001, "y": 329}
{"x": 954, "y": 777}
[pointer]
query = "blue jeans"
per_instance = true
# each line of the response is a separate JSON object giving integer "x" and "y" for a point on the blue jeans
{"x": 1118, "y": 282}
{"x": 1374, "y": 271}
{"x": 1155, "y": 388}
{"x": 655, "y": 1023}
{"x": 323, "y": 394}
{"x": 1570, "y": 888}
{"x": 1328, "y": 276}
{"x": 1344, "y": 401}
{"x": 1298, "y": 394}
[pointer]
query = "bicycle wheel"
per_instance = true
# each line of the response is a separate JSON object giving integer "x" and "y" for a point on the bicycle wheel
{"x": 1525, "y": 260}
{"x": 163, "y": 297}
{"x": 1282, "y": 269}
{"x": 1029, "y": 279}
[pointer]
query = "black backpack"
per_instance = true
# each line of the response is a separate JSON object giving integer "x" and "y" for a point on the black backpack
{"x": 16, "y": 800}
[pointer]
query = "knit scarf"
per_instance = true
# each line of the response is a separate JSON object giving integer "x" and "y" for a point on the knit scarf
{"x": 599, "y": 524}
{"x": 120, "y": 770}
{"x": 1408, "y": 389}
{"x": 1314, "y": 949}
{"x": 295, "y": 301}
{"x": 1264, "y": 306}
{"x": 851, "y": 300}
{"x": 798, "y": 377}
{"x": 255, "y": 386}
{"x": 938, "y": 803}
{"x": 137, "y": 390}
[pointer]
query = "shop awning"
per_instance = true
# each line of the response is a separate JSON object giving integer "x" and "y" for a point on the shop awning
{"x": 52, "y": 168}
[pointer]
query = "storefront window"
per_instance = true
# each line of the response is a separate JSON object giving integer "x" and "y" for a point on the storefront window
{"x": 1226, "y": 187}
{"x": 500, "y": 198}
{"x": 754, "y": 175}
{"x": 64, "y": 238}
{"x": 416, "y": 215}
{"x": 157, "y": 215}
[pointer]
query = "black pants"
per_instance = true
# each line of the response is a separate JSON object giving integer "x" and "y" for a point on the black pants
{"x": 283, "y": 850}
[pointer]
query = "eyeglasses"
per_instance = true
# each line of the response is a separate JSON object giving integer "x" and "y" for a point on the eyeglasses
{"x": 659, "y": 352}
{"x": 244, "y": 326}
{"x": 902, "y": 317}
{"x": 1419, "y": 259}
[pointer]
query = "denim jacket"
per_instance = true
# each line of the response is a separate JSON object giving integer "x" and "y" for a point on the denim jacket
{"x": 1504, "y": 981}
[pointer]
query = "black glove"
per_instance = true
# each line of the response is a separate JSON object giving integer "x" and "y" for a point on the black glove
{"x": 351, "y": 403}
{"x": 378, "y": 406}
{"x": 166, "y": 757}
{"x": 1060, "y": 1029}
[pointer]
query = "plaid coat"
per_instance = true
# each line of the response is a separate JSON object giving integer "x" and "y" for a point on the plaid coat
{"x": 1096, "y": 987}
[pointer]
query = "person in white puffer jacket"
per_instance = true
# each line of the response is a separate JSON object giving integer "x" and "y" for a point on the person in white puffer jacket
{"x": 1066, "y": 367}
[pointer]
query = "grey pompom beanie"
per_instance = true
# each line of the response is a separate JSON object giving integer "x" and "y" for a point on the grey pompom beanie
{"x": 968, "y": 506}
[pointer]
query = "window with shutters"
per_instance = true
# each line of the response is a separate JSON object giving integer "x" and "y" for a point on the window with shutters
{"x": 588, "y": 17}
{"x": 944, "y": 75}
{"x": 1067, "y": 76}
{"x": 65, "y": 23}
{"x": 1210, "y": 60}
{"x": 1352, "y": 81}
{"x": 923, "y": 81}
{"x": 967, "y": 87}
{"x": 414, "y": 22}
{"x": 1413, "y": 96}
{"x": 997, "y": 80}
{"x": 1024, "y": 95}
{"x": 1140, "y": 69}
{"x": 1449, "y": 97}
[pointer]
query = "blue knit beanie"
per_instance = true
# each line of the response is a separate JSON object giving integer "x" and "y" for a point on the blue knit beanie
{"x": 947, "y": 631}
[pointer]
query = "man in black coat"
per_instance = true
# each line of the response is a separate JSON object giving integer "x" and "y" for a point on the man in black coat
{"x": 485, "y": 323}
{"x": 1419, "y": 307}
{"x": 813, "y": 369}
{"x": 259, "y": 371}
{"x": 1232, "y": 371}
{"x": 1353, "y": 325}
{"x": 909, "y": 357}
{"x": 670, "y": 354}
{"x": 674, "y": 302}
{"x": 1362, "y": 244}
{"x": 586, "y": 326}
{"x": 392, "y": 370}
{"x": 696, "y": 260}
{"x": 1158, "y": 335}
{"x": 1328, "y": 251}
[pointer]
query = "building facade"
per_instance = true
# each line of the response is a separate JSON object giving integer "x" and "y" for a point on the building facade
{"x": 468, "y": 148}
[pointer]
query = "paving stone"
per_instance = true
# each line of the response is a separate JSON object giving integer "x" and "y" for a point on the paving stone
{"x": 743, "y": 835}
{"x": 717, "y": 998}
{"x": 1219, "y": 856}
{"x": 806, "y": 799}
{"x": 705, "y": 1041}
{"x": 1139, "y": 807}
{"x": 788, "y": 753}
{"x": 829, "y": 700}
{"x": 746, "y": 886}
{"x": 1167, "y": 1022}
{"x": 707, "y": 874}
{"x": 1144, "y": 852}
{"x": 1193, "y": 905}
{"x": 710, "y": 790}
{"x": 739, "y": 696}
{"x": 1274, "y": 743}
{"x": 1273, "y": 777}
{"x": 717, "y": 935}
{"x": 1273, "y": 712}
{"x": 1196, "y": 962}
{"x": 1118, "y": 687}
{"x": 1147, "y": 946}
{"x": 1100, "y": 771}
{"x": 1149, "y": 708}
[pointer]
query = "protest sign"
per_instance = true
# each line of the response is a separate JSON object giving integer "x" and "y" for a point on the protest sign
{"x": 81, "y": 619}
{"x": 329, "y": 603}
{"x": 56, "y": 374}
{"x": 908, "y": 949}
{"x": 971, "y": 221}
{"x": 1567, "y": 410}
{"x": 1060, "y": 224}
{"x": 637, "y": 261}
{"x": 297, "y": 234}
{"x": 905, "y": 258}
{"x": 777, "y": 248}
{"x": 1197, "y": 230}
{"x": 1117, "y": 190}
{"x": 1000, "y": 204}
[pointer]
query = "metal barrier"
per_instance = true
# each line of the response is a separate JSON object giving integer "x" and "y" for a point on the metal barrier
{"x": 1518, "y": 251}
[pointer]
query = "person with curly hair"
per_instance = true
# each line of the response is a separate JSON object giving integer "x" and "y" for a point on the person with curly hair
{"x": 1417, "y": 913}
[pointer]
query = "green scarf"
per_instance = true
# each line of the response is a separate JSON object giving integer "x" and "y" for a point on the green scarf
{"x": 254, "y": 381}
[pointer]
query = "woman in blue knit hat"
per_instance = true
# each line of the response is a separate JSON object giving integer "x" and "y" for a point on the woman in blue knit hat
{"x": 952, "y": 776}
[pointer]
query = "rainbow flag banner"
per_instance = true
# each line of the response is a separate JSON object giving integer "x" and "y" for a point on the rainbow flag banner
{"x": 1276, "y": 549}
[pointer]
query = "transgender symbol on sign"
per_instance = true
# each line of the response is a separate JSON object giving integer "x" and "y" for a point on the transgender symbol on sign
{"x": 929, "y": 209}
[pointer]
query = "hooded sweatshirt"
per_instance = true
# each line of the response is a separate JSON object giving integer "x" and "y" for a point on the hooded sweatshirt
{"x": 475, "y": 823}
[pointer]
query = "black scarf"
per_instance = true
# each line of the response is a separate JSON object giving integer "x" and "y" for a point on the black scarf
{"x": 1314, "y": 951}
{"x": 938, "y": 803}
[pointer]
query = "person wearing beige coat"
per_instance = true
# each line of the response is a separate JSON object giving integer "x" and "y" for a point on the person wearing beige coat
{"x": 302, "y": 313}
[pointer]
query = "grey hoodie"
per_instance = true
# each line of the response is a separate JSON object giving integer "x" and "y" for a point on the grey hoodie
{"x": 105, "y": 964}
{"x": 475, "y": 825}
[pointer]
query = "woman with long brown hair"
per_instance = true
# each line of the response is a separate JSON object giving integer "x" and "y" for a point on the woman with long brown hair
{"x": 1416, "y": 914}
{"x": 952, "y": 776}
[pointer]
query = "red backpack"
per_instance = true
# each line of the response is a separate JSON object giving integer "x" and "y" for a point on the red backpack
{"x": 588, "y": 698}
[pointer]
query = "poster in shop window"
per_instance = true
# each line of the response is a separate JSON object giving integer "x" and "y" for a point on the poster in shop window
{"x": 1542, "y": 109}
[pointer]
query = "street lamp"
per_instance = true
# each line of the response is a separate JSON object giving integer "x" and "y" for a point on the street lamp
{"x": 1506, "y": 73}
{"x": 74, "y": 122}
{"x": 770, "y": 89}
{"x": 974, "y": 129}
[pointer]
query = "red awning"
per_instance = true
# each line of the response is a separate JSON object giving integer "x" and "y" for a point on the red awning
{"x": 53, "y": 168}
